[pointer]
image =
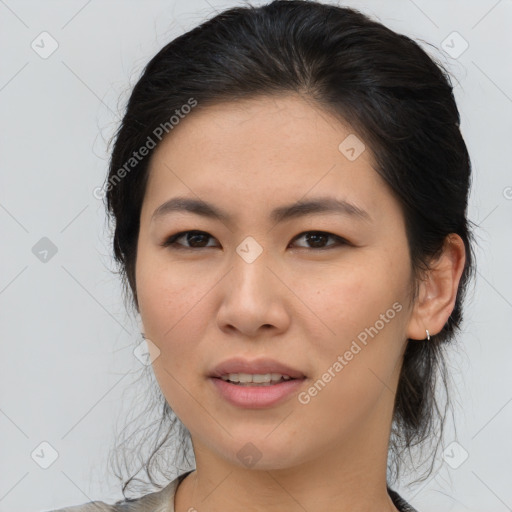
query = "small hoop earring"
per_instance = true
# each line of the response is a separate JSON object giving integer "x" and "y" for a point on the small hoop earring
{"x": 428, "y": 334}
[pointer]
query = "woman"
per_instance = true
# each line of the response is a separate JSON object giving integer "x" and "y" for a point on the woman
{"x": 289, "y": 187}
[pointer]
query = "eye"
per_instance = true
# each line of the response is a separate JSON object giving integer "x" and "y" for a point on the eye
{"x": 199, "y": 240}
{"x": 196, "y": 238}
{"x": 318, "y": 239}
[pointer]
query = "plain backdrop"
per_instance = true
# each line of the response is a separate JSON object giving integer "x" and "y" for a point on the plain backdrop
{"x": 66, "y": 341}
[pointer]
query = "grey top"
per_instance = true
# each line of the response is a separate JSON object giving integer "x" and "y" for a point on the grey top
{"x": 160, "y": 501}
{"x": 163, "y": 501}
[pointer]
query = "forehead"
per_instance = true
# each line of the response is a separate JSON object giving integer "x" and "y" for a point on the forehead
{"x": 263, "y": 126}
{"x": 263, "y": 149}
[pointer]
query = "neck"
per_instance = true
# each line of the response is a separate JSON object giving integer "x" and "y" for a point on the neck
{"x": 348, "y": 477}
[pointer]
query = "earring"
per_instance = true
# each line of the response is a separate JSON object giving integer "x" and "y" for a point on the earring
{"x": 428, "y": 334}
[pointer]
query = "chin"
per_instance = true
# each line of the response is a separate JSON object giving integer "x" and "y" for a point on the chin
{"x": 262, "y": 452}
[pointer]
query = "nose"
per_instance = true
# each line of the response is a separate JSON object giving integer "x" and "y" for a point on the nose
{"x": 254, "y": 299}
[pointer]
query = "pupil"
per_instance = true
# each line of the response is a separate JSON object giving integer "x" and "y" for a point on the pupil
{"x": 315, "y": 235}
{"x": 193, "y": 236}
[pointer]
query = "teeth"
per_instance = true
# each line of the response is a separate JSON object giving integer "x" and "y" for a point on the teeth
{"x": 248, "y": 378}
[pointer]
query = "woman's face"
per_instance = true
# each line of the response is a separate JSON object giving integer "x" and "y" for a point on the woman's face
{"x": 333, "y": 307}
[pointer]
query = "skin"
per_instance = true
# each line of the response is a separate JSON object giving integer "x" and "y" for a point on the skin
{"x": 295, "y": 303}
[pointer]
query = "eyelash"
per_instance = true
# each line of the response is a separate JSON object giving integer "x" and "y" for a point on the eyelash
{"x": 171, "y": 241}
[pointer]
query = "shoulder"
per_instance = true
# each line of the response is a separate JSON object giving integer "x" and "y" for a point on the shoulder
{"x": 160, "y": 501}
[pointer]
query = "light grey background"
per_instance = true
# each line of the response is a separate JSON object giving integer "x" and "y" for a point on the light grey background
{"x": 67, "y": 344}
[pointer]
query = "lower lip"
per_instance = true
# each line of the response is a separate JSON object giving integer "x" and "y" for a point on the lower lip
{"x": 256, "y": 397}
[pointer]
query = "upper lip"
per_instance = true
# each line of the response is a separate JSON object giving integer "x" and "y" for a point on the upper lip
{"x": 256, "y": 366}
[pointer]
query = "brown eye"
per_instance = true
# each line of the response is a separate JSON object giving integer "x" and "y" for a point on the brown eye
{"x": 318, "y": 239}
{"x": 195, "y": 239}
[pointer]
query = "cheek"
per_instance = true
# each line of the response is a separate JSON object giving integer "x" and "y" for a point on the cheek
{"x": 356, "y": 367}
{"x": 363, "y": 313}
{"x": 351, "y": 296}
{"x": 173, "y": 308}
{"x": 166, "y": 293}
{"x": 173, "y": 316}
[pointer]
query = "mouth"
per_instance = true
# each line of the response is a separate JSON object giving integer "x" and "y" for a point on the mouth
{"x": 258, "y": 371}
{"x": 262, "y": 379}
{"x": 256, "y": 384}
{"x": 256, "y": 395}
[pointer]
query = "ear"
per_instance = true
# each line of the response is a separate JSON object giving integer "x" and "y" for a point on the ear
{"x": 438, "y": 291}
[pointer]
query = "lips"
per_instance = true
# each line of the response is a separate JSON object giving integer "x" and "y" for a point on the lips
{"x": 256, "y": 395}
{"x": 256, "y": 366}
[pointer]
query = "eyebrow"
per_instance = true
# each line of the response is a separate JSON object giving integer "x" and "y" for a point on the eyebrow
{"x": 280, "y": 214}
